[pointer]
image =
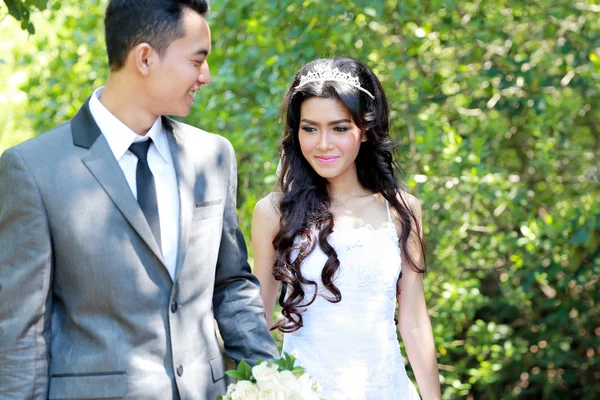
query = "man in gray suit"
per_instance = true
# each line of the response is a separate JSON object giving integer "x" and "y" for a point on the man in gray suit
{"x": 119, "y": 241}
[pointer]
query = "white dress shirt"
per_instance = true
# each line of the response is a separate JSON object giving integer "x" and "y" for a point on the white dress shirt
{"x": 119, "y": 138}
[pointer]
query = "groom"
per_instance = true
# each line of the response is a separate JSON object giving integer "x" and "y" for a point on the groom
{"x": 119, "y": 241}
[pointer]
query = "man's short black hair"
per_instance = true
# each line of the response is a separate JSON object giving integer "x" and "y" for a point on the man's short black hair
{"x": 128, "y": 23}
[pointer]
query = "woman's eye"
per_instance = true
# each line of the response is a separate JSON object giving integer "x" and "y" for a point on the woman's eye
{"x": 340, "y": 129}
{"x": 308, "y": 129}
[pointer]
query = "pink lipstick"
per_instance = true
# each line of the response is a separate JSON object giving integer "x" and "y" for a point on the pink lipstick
{"x": 326, "y": 159}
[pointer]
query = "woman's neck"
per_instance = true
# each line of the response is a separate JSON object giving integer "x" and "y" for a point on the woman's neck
{"x": 342, "y": 190}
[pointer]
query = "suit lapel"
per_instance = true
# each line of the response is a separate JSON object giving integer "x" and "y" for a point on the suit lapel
{"x": 105, "y": 168}
{"x": 186, "y": 180}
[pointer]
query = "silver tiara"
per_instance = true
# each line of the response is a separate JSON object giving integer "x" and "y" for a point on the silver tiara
{"x": 333, "y": 75}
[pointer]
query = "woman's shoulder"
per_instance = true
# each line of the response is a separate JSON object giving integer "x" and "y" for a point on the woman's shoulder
{"x": 267, "y": 208}
{"x": 405, "y": 198}
{"x": 411, "y": 201}
{"x": 408, "y": 201}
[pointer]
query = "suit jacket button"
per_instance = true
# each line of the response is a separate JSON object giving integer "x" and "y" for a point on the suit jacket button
{"x": 180, "y": 370}
{"x": 174, "y": 307}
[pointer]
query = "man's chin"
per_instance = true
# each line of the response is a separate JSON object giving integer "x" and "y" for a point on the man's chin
{"x": 183, "y": 112}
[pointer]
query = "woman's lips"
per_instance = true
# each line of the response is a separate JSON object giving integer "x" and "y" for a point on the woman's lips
{"x": 326, "y": 159}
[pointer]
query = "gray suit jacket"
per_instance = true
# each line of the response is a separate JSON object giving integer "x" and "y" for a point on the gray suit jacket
{"x": 87, "y": 306}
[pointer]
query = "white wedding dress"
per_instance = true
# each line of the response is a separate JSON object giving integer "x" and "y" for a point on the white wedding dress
{"x": 350, "y": 348}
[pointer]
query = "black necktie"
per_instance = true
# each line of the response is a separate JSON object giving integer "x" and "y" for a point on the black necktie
{"x": 146, "y": 189}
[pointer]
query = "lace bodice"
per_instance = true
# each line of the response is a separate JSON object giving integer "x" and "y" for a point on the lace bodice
{"x": 351, "y": 347}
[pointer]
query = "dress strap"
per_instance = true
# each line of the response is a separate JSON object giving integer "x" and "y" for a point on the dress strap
{"x": 387, "y": 206}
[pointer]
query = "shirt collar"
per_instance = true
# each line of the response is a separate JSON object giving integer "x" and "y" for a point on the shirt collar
{"x": 119, "y": 136}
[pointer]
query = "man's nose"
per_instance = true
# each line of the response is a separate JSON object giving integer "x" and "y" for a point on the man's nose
{"x": 204, "y": 77}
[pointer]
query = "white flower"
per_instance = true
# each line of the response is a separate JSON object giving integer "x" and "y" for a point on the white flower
{"x": 305, "y": 380}
{"x": 230, "y": 390}
{"x": 271, "y": 395}
{"x": 297, "y": 388}
{"x": 266, "y": 377}
{"x": 306, "y": 390}
{"x": 288, "y": 382}
{"x": 245, "y": 390}
{"x": 272, "y": 384}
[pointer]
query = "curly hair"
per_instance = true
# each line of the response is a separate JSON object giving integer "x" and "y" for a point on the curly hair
{"x": 306, "y": 219}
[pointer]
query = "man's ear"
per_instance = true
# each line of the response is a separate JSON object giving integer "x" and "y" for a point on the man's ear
{"x": 144, "y": 57}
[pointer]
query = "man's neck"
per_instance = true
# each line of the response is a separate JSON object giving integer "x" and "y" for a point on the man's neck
{"x": 125, "y": 103}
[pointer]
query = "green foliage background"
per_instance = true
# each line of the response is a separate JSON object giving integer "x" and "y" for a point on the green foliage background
{"x": 497, "y": 105}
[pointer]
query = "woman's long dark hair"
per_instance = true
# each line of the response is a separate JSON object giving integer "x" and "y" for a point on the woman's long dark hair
{"x": 306, "y": 219}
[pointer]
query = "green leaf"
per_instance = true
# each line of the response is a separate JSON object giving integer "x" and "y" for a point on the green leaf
{"x": 580, "y": 237}
{"x": 286, "y": 362}
{"x": 245, "y": 370}
{"x": 237, "y": 375}
{"x": 40, "y": 4}
{"x": 15, "y": 8}
{"x": 298, "y": 371}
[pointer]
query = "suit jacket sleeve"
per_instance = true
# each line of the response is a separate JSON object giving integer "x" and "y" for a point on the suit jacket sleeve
{"x": 25, "y": 274}
{"x": 237, "y": 303}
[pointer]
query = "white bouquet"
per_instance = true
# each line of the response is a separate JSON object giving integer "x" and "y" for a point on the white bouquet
{"x": 270, "y": 380}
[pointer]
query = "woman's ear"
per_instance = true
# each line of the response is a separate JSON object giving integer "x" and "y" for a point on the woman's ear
{"x": 363, "y": 135}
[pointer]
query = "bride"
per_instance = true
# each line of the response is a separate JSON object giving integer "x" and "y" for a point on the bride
{"x": 344, "y": 240}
